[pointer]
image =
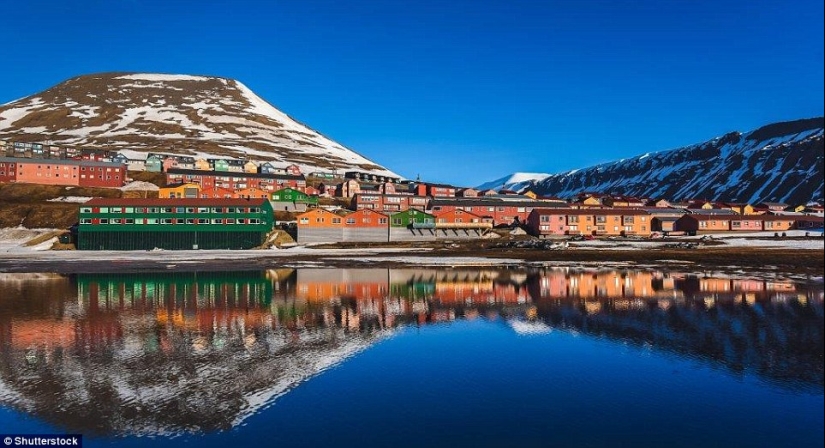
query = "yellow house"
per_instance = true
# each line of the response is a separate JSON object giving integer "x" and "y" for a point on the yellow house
{"x": 743, "y": 208}
{"x": 530, "y": 194}
{"x": 180, "y": 191}
{"x": 250, "y": 167}
{"x": 202, "y": 164}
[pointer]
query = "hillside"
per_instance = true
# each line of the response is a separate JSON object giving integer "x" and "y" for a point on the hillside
{"x": 177, "y": 114}
{"x": 781, "y": 162}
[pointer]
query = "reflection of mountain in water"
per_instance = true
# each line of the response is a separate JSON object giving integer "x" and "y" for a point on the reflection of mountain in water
{"x": 171, "y": 352}
{"x": 772, "y": 328}
{"x": 151, "y": 357}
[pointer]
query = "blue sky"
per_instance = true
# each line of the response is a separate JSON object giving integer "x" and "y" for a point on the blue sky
{"x": 460, "y": 91}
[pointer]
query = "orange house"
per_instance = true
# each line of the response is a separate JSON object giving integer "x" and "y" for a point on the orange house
{"x": 366, "y": 219}
{"x": 461, "y": 219}
{"x": 251, "y": 193}
{"x": 320, "y": 226}
{"x": 692, "y": 224}
{"x": 217, "y": 193}
{"x": 189, "y": 190}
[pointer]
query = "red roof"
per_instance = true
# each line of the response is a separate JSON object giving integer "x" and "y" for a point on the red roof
{"x": 157, "y": 202}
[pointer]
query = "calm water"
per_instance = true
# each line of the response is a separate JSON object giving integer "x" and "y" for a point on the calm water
{"x": 413, "y": 357}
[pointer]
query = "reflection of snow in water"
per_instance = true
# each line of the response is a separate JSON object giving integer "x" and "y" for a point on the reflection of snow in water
{"x": 526, "y": 328}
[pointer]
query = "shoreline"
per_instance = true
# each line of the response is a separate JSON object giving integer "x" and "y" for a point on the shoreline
{"x": 804, "y": 262}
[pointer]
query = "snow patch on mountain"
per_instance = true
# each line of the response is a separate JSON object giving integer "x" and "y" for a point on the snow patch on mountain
{"x": 515, "y": 182}
{"x": 174, "y": 114}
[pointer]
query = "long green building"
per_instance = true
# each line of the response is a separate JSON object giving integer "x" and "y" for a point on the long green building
{"x": 174, "y": 224}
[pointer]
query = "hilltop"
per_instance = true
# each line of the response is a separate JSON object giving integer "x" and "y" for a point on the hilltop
{"x": 175, "y": 114}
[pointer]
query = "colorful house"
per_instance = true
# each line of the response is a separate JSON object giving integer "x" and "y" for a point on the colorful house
{"x": 249, "y": 193}
{"x": 319, "y": 226}
{"x": 460, "y": 224}
{"x": 250, "y": 167}
{"x": 292, "y": 200}
{"x": 548, "y": 222}
{"x": 189, "y": 191}
{"x": 366, "y": 226}
{"x": 202, "y": 164}
{"x": 145, "y": 224}
{"x": 412, "y": 225}
{"x": 692, "y": 224}
{"x": 83, "y": 173}
{"x": 154, "y": 163}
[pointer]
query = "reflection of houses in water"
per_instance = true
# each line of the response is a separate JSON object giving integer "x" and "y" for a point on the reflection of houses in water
{"x": 158, "y": 353}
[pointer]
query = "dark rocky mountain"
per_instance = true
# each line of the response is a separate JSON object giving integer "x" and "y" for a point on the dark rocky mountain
{"x": 780, "y": 162}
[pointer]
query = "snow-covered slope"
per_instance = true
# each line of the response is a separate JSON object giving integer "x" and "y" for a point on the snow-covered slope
{"x": 181, "y": 114}
{"x": 515, "y": 182}
{"x": 781, "y": 162}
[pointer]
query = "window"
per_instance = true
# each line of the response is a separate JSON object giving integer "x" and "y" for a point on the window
{"x": 217, "y": 221}
{"x": 104, "y": 221}
{"x": 85, "y": 221}
{"x": 179, "y": 221}
{"x": 129, "y": 221}
{"x": 117, "y": 221}
{"x": 190, "y": 220}
{"x": 230, "y": 220}
{"x": 203, "y": 221}
{"x": 350, "y": 221}
{"x": 85, "y": 209}
{"x": 241, "y": 220}
{"x": 306, "y": 221}
{"x": 190, "y": 210}
{"x": 217, "y": 209}
{"x": 117, "y": 210}
{"x": 150, "y": 220}
{"x": 104, "y": 209}
{"x": 203, "y": 209}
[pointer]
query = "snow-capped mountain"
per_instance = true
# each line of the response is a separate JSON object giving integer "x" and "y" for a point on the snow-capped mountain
{"x": 780, "y": 162}
{"x": 179, "y": 114}
{"x": 515, "y": 182}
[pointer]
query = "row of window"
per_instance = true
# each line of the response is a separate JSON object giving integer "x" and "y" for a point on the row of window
{"x": 198, "y": 210}
{"x": 202, "y": 221}
{"x": 349, "y": 221}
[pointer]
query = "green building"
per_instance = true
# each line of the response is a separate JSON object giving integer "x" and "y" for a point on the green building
{"x": 413, "y": 218}
{"x": 291, "y": 200}
{"x": 154, "y": 164}
{"x": 145, "y": 224}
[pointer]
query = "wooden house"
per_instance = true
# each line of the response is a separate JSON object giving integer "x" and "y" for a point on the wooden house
{"x": 460, "y": 224}
{"x": 348, "y": 188}
{"x": 188, "y": 190}
{"x": 202, "y": 164}
{"x": 250, "y": 167}
{"x": 412, "y": 225}
{"x": 154, "y": 163}
{"x": 693, "y": 224}
{"x": 290, "y": 199}
{"x": 319, "y": 226}
{"x": 251, "y": 193}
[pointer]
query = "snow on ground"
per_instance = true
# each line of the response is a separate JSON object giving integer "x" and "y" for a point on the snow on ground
{"x": 140, "y": 186}
{"x": 441, "y": 261}
{"x": 13, "y": 240}
{"x": 163, "y": 77}
{"x": 75, "y": 199}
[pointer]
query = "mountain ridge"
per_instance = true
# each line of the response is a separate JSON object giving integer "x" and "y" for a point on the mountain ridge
{"x": 778, "y": 162}
{"x": 176, "y": 114}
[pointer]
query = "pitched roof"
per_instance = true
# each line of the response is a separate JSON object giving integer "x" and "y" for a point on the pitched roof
{"x": 234, "y": 174}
